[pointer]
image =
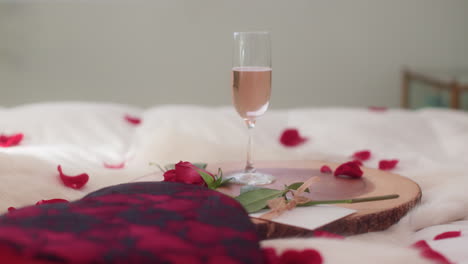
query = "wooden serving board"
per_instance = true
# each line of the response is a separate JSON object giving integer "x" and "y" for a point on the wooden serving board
{"x": 370, "y": 216}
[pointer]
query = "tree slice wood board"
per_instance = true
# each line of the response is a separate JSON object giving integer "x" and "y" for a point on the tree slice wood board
{"x": 370, "y": 216}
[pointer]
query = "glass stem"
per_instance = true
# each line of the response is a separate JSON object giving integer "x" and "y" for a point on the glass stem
{"x": 249, "y": 167}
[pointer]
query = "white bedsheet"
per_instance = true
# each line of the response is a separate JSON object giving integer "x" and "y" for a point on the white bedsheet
{"x": 431, "y": 144}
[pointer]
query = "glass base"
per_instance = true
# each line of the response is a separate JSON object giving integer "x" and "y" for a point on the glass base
{"x": 251, "y": 178}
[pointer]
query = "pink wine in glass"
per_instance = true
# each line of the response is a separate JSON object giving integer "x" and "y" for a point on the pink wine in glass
{"x": 251, "y": 89}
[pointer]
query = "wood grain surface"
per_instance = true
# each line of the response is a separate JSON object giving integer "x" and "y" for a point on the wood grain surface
{"x": 370, "y": 216}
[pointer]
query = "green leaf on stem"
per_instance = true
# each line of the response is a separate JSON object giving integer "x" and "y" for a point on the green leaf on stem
{"x": 210, "y": 182}
{"x": 355, "y": 200}
{"x": 169, "y": 166}
{"x": 200, "y": 165}
{"x": 296, "y": 186}
{"x": 219, "y": 182}
{"x": 256, "y": 200}
{"x": 248, "y": 188}
{"x": 157, "y": 165}
{"x": 224, "y": 182}
{"x": 213, "y": 182}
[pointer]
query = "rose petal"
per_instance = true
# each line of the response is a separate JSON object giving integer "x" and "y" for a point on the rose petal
{"x": 114, "y": 166}
{"x": 326, "y": 234}
{"x": 362, "y": 155}
{"x": 388, "y": 164}
{"x": 52, "y": 201}
{"x": 292, "y": 138}
{"x": 133, "y": 119}
{"x": 325, "y": 169}
{"x": 377, "y": 108}
{"x": 449, "y": 234}
{"x": 350, "y": 169}
{"x": 306, "y": 256}
{"x": 170, "y": 176}
{"x": 75, "y": 182}
{"x": 10, "y": 141}
{"x": 427, "y": 252}
{"x": 188, "y": 173}
{"x": 291, "y": 256}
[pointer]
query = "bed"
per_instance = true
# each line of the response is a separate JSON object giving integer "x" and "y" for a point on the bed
{"x": 115, "y": 143}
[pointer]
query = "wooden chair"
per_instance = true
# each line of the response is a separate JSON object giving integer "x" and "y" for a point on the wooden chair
{"x": 452, "y": 86}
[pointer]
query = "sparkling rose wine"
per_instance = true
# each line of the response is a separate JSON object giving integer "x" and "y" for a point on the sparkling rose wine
{"x": 251, "y": 88}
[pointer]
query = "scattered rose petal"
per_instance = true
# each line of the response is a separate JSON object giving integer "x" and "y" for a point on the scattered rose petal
{"x": 51, "y": 201}
{"x": 290, "y": 256}
{"x": 306, "y": 256}
{"x": 75, "y": 182}
{"x": 11, "y": 209}
{"x": 115, "y": 166}
{"x": 427, "y": 252}
{"x": 450, "y": 234}
{"x": 326, "y": 234}
{"x": 388, "y": 164}
{"x": 325, "y": 169}
{"x": 362, "y": 155}
{"x": 133, "y": 120}
{"x": 10, "y": 141}
{"x": 377, "y": 108}
{"x": 350, "y": 169}
{"x": 291, "y": 138}
{"x": 358, "y": 162}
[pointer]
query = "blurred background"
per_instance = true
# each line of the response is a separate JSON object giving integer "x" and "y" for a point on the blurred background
{"x": 147, "y": 53}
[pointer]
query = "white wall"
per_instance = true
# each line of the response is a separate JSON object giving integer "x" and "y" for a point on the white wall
{"x": 326, "y": 52}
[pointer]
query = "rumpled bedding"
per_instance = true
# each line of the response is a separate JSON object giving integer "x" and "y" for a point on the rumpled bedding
{"x": 99, "y": 139}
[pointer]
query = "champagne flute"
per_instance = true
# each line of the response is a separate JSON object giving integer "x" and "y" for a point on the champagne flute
{"x": 251, "y": 89}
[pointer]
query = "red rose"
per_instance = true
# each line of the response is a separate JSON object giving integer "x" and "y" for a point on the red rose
{"x": 350, "y": 169}
{"x": 185, "y": 172}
